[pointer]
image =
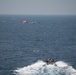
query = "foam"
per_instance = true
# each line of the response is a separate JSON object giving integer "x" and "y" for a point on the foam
{"x": 41, "y": 68}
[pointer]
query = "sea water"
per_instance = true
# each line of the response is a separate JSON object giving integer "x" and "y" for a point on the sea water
{"x": 25, "y": 47}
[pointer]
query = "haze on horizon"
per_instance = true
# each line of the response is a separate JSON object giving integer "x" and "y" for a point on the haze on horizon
{"x": 38, "y": 7}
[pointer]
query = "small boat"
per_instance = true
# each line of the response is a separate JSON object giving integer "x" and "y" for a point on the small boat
{"x": 49, "y": 61}
{"x": 25, "y": 21}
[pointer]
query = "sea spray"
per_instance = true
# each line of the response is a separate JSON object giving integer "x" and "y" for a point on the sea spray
{"x": 41, "y": 68}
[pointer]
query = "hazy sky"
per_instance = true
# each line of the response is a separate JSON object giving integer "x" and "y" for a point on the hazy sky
{"x": 38, "y": 7}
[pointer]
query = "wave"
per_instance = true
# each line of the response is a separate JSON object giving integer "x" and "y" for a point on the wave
{"x": 41, "y": 68}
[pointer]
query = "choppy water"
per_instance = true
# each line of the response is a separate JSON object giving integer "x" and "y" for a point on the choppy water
{"x": 22, "y": 45}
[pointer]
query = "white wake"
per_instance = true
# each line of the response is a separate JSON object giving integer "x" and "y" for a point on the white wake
{"x": 41, "y": 68}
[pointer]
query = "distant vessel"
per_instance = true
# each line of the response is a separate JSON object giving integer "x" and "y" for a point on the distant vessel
{"x": 25, "y": 21}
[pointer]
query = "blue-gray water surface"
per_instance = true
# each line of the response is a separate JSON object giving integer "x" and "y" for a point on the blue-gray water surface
{"x": 22, "y": 44}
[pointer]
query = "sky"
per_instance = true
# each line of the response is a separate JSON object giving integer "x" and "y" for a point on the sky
{"x": 38, "y": 7}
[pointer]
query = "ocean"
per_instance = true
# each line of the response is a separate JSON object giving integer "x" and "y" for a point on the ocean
{"x": 25, "y": 46}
